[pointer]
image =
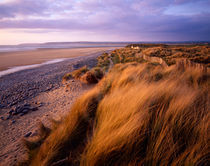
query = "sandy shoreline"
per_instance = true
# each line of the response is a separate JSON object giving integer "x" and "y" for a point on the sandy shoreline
{"x": 21, "y": 58}
{"x": 43, "y": 85}
{"x": 38, "y": 85}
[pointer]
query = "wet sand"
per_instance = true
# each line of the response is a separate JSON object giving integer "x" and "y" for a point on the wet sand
{"x": 21, "y": 58}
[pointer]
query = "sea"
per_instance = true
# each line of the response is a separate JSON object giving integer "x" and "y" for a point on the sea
{"x": 57, "y": 45}
{"x": 51, "y": 45}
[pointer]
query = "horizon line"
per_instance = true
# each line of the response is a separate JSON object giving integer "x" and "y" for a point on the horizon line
{"x": 135, "y": 42}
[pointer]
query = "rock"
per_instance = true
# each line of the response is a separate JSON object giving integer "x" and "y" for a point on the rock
{"x": 25, "y": 111}
{"x": 40, "y": 105}
{"x": 26, "y": 105}
{"x": 11, "y": 111}
{"x": 13, "y": 103}
{"x": 22, "y": 109}
{"x": 28, "y": 134}
{"x": 49, "y": 87}
{"x": 25, "y": 108}
{"x": 21, "y": 114}
{"x": 17, "y": 109}
{"x": 9, "y": 116}
{"x": 34, "y": 108}
{"x": 15, "y": 113}
{"x": 37, "y": 102}
{"x": 13, "y": 121}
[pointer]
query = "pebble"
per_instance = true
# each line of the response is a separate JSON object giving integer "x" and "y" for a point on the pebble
{"x": 21, "y": 114}
{"x": 11, "y": 111}
{"x": 26, "y": 105}
{"x": 40, "y": 105}
{"x": 22, "y": 109}
{"x": 25, "y": 111}
{"x": 9, "y": 116}
{"x": 13, "y": 121}
{"x": 28, "y": 134}
{"x": 34, "y": 108}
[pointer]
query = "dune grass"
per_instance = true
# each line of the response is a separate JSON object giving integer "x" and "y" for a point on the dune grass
{"x": 138, "y": 114}
{"x": 170, "y": 53}
{"x": 86, "y": 75}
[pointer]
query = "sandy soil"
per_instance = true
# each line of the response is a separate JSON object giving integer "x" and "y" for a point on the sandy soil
{"x": 10, "y": 59}
{"x": 56, "y": 103}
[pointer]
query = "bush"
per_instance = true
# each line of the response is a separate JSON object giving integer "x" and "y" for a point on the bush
{"x": 97, "y": 72}
{"x": 67, "y": 77}
{"x": 79, "y": 72}
{"x": 89, "y": 78}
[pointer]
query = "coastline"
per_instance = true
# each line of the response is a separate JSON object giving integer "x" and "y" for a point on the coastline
{"x": 42, "y": 84}
{"x": 21, "y": 86}
{"x": 31, "y": 57}
{"x": 38, "y": 85}
{"x": 20, "y": 68}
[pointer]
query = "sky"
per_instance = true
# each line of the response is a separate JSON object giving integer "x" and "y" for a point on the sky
{"x": 38, "y": 21}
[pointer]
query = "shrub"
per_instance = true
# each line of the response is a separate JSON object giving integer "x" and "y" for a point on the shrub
{"x": 79, "y": 72}
{"x": 89, "y": 78}
{"x": 67, "y": 77}
{"x": 97, "y": 72}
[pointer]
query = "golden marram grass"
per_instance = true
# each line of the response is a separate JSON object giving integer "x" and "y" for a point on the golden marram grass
{"x": 138, "y": 114}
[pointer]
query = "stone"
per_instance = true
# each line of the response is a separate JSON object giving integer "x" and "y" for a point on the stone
{"x": 11, "y": 111}
{"x": 15, "y": 113}
{"x": 15, "y": 102}
{"x": 13, "y": 121}
{"x": 40, "y": 105}
{"x": 26, "y": 105}
{"x": 25, "y": 108}
{"x": 9, "y": 116}
{"x": 37, "y": 102}
{"x": 28, "y": 134}
{"x": 21, "y": 114}
{"x": 17, "y": 109}
{"x": 34, "y": 108}
{"x": 25, "y": 111}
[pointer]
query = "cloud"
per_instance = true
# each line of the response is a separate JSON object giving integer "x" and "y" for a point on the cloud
{"x": 148, "y": 19}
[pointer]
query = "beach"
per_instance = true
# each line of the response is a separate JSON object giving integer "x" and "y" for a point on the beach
{"x": 39, "y": 92}
{"x": 22, "y": 58}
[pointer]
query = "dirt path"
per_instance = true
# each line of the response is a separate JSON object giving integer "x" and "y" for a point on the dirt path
{"x": 56, "y": 103}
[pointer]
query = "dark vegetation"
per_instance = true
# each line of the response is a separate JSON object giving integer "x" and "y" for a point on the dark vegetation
{"x": 141, "y": 113}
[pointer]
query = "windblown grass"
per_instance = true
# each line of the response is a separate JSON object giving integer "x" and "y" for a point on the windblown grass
{"x": 76, "y": 73}
{"x": 86, "y": 75}
{"x": 138, "y": 114}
